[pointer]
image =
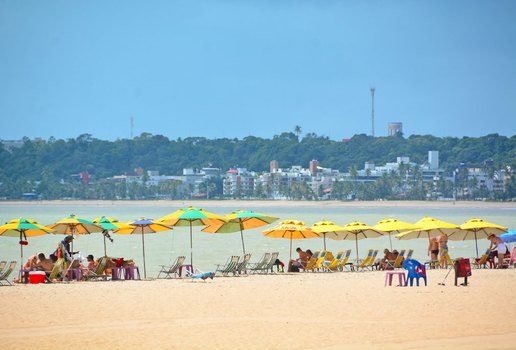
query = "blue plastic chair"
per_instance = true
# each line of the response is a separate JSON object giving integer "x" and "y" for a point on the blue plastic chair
{"x": 416, "y": 270}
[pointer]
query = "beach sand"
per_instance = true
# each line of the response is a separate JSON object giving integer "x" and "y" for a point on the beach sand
{"x": 350, "y": 310}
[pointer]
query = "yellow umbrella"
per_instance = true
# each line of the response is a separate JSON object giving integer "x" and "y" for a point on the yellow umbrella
{"x": 290, "y": 229}
{"x": 191, "y": 216}
{"x": 394, "y": 226}
{"x": 238, "y": 221}
{"x": 73, "y": 225}
{"x": 143, "y": 226}
{"x": 429, "y": 227}
{"x": 477, "y": 228}
{"x": 357, "y": 230}
{"x": 23, "y": 228}
{"x": 328, "y": 228}
{"x": 109, "y": 224}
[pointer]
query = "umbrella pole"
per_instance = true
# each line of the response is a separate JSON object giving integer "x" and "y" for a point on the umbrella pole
{"x": 104, "y": 234}
{"x": 390, "y": 240}
{"x": 143, "y": 246}
{"x": 242, "y": 236}
{"x": 191, "y": 247}
{"x": 21, "y": 250}
{"x": 476, "y": 243}
{"x": 324, "y": 240}
{"x": 290, "y": 249}
{"x": 356, "y": 243}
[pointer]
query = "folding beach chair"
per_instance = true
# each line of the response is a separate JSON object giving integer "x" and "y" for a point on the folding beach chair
{"x": 172, "y": 270}
{"x": 311, "y": 263}
{"x": 331, "y": 265}
{"x": 362, "y": 264}
{"x": 229, "y": 267}
{"x": 270, "y": 264}
{"x": 344, "y": 261}
{"x": 261, "y": 263}
{"x": 398, "y": 263}
{"x": 242, "y": 265}
{"x": 98, "y": 274}
{"x": 4, "y": 276}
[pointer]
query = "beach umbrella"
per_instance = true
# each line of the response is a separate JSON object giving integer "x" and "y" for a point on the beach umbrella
{"x": 328, "y": 228}
{"x": 74, "y": 225}
{"x": 191, "y": 216}
{"x": 143, "y": 226}
{"x": 394, "y": 226}
{"x": 358, "y": 230}
{"x": 238, "y": 221}
{"x": 509, "y": 237}
{"x": 109, "y": 224}
{"x": 23, "y": 228}
{"x": 476, "y": 228}
{"x": 290, "y": 229}
{"x": 429, "y": 227}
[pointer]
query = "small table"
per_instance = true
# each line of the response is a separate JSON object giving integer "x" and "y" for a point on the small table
{"x": 188, "y": 268}
{"x": 131, "y": 271}
{"x": 401, "y": 276}
{"x": 116, "y": 273}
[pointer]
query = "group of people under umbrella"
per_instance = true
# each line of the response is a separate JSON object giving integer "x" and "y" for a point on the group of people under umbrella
{"x": 241, "y": 220}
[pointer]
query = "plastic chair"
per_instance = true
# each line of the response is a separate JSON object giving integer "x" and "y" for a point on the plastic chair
{"x": 415, "y": 270}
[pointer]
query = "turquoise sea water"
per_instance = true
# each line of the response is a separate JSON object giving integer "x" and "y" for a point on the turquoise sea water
{"x": 211, "y": 249}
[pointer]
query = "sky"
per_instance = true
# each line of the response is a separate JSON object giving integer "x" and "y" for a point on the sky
{"x": 232, "y": 69}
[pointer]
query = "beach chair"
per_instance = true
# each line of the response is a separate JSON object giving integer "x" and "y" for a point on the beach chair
{"x": 4, "y": 276}
{"x": 331, "y": 265}
{"x": 344, "y": 262}
{"x": 3, "y": 264}
{"x": 258, "y": 266}
{"x": 319, "y": 263}
{"x": 311, "y": 263}
{"x": 241, "y": 268}
{"x": 56, "y": 272}
{"x": 442, "y": 259}
{"x": 362, "y": 264}
{"x": 398, "y": 263}
{"x": 482, "y": 261}
{"x": 409, "y": 254}
{"x": 511, "y": 261}
{"x": 172, "y": 270}
{"x": 98, "y": 274}
{"x": 372, "y": 263}
{"x": 415, "y": 270}
{"x": 229, "y": 266}
{"x": 271, "y": 263}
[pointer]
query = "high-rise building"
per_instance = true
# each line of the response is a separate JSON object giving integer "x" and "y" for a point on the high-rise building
{"x": 274, "y": 166}
{"x": 433, "y": 159}
{"x": 394, "y": 128}
{"x": 313, "y": 167}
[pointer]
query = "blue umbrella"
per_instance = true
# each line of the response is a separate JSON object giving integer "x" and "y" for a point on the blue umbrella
{"x": 509, "y": 237}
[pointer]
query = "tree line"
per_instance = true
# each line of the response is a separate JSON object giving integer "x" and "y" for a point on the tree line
{"x": 48, "y": 166}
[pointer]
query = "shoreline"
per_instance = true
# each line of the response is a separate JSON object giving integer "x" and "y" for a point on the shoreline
{"x": 270, "y": 203}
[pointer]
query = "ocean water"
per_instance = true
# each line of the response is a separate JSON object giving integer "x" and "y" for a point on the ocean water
{"x": 211, "y": 249}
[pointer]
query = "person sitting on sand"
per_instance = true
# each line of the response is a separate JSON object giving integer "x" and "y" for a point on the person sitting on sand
{"x": 44, "y": 264}
{"x": 433, "y": 251}
{"x": 300, "y": 263}
{"x": 498, "y": 249}
{"x": 387, "y": 262}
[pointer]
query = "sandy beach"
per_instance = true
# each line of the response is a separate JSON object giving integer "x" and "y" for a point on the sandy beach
{"x": 286, "y": 311}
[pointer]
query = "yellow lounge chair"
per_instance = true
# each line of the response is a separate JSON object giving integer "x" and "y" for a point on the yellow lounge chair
{"x": 331, "y": 265}
{"x": 344, "y": 261}
{"x": 320, "y": 261}
{"x": 372, "y": 260}
{"x": 311, "y": 263}
{"x": 482, "y": 261}
{"x": 362, "y": 264}
{"x": 398, "y": 263}
{"x": 99, "y": 271}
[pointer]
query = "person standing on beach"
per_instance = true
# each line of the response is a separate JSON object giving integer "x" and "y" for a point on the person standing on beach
{"x": 433, "y": 251}
{"x": 443, "y": 247}
{"x": 499, "y": 248}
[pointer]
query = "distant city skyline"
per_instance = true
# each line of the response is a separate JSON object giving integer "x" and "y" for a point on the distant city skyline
{"x": 224, "y": 69}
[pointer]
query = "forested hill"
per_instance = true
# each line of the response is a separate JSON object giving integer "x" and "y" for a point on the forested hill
{"x": 55, "y": 159}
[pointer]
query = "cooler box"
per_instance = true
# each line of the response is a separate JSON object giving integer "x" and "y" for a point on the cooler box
{"x": 36, "y": 277}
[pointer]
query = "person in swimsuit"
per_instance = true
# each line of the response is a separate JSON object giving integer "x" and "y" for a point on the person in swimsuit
{"x": 433, "y": 251}
{"x": 497, "y": 245}
{"x": 443, "y": 249}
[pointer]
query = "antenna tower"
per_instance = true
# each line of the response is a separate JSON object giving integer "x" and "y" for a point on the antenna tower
{"x": 372, "y": 110}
